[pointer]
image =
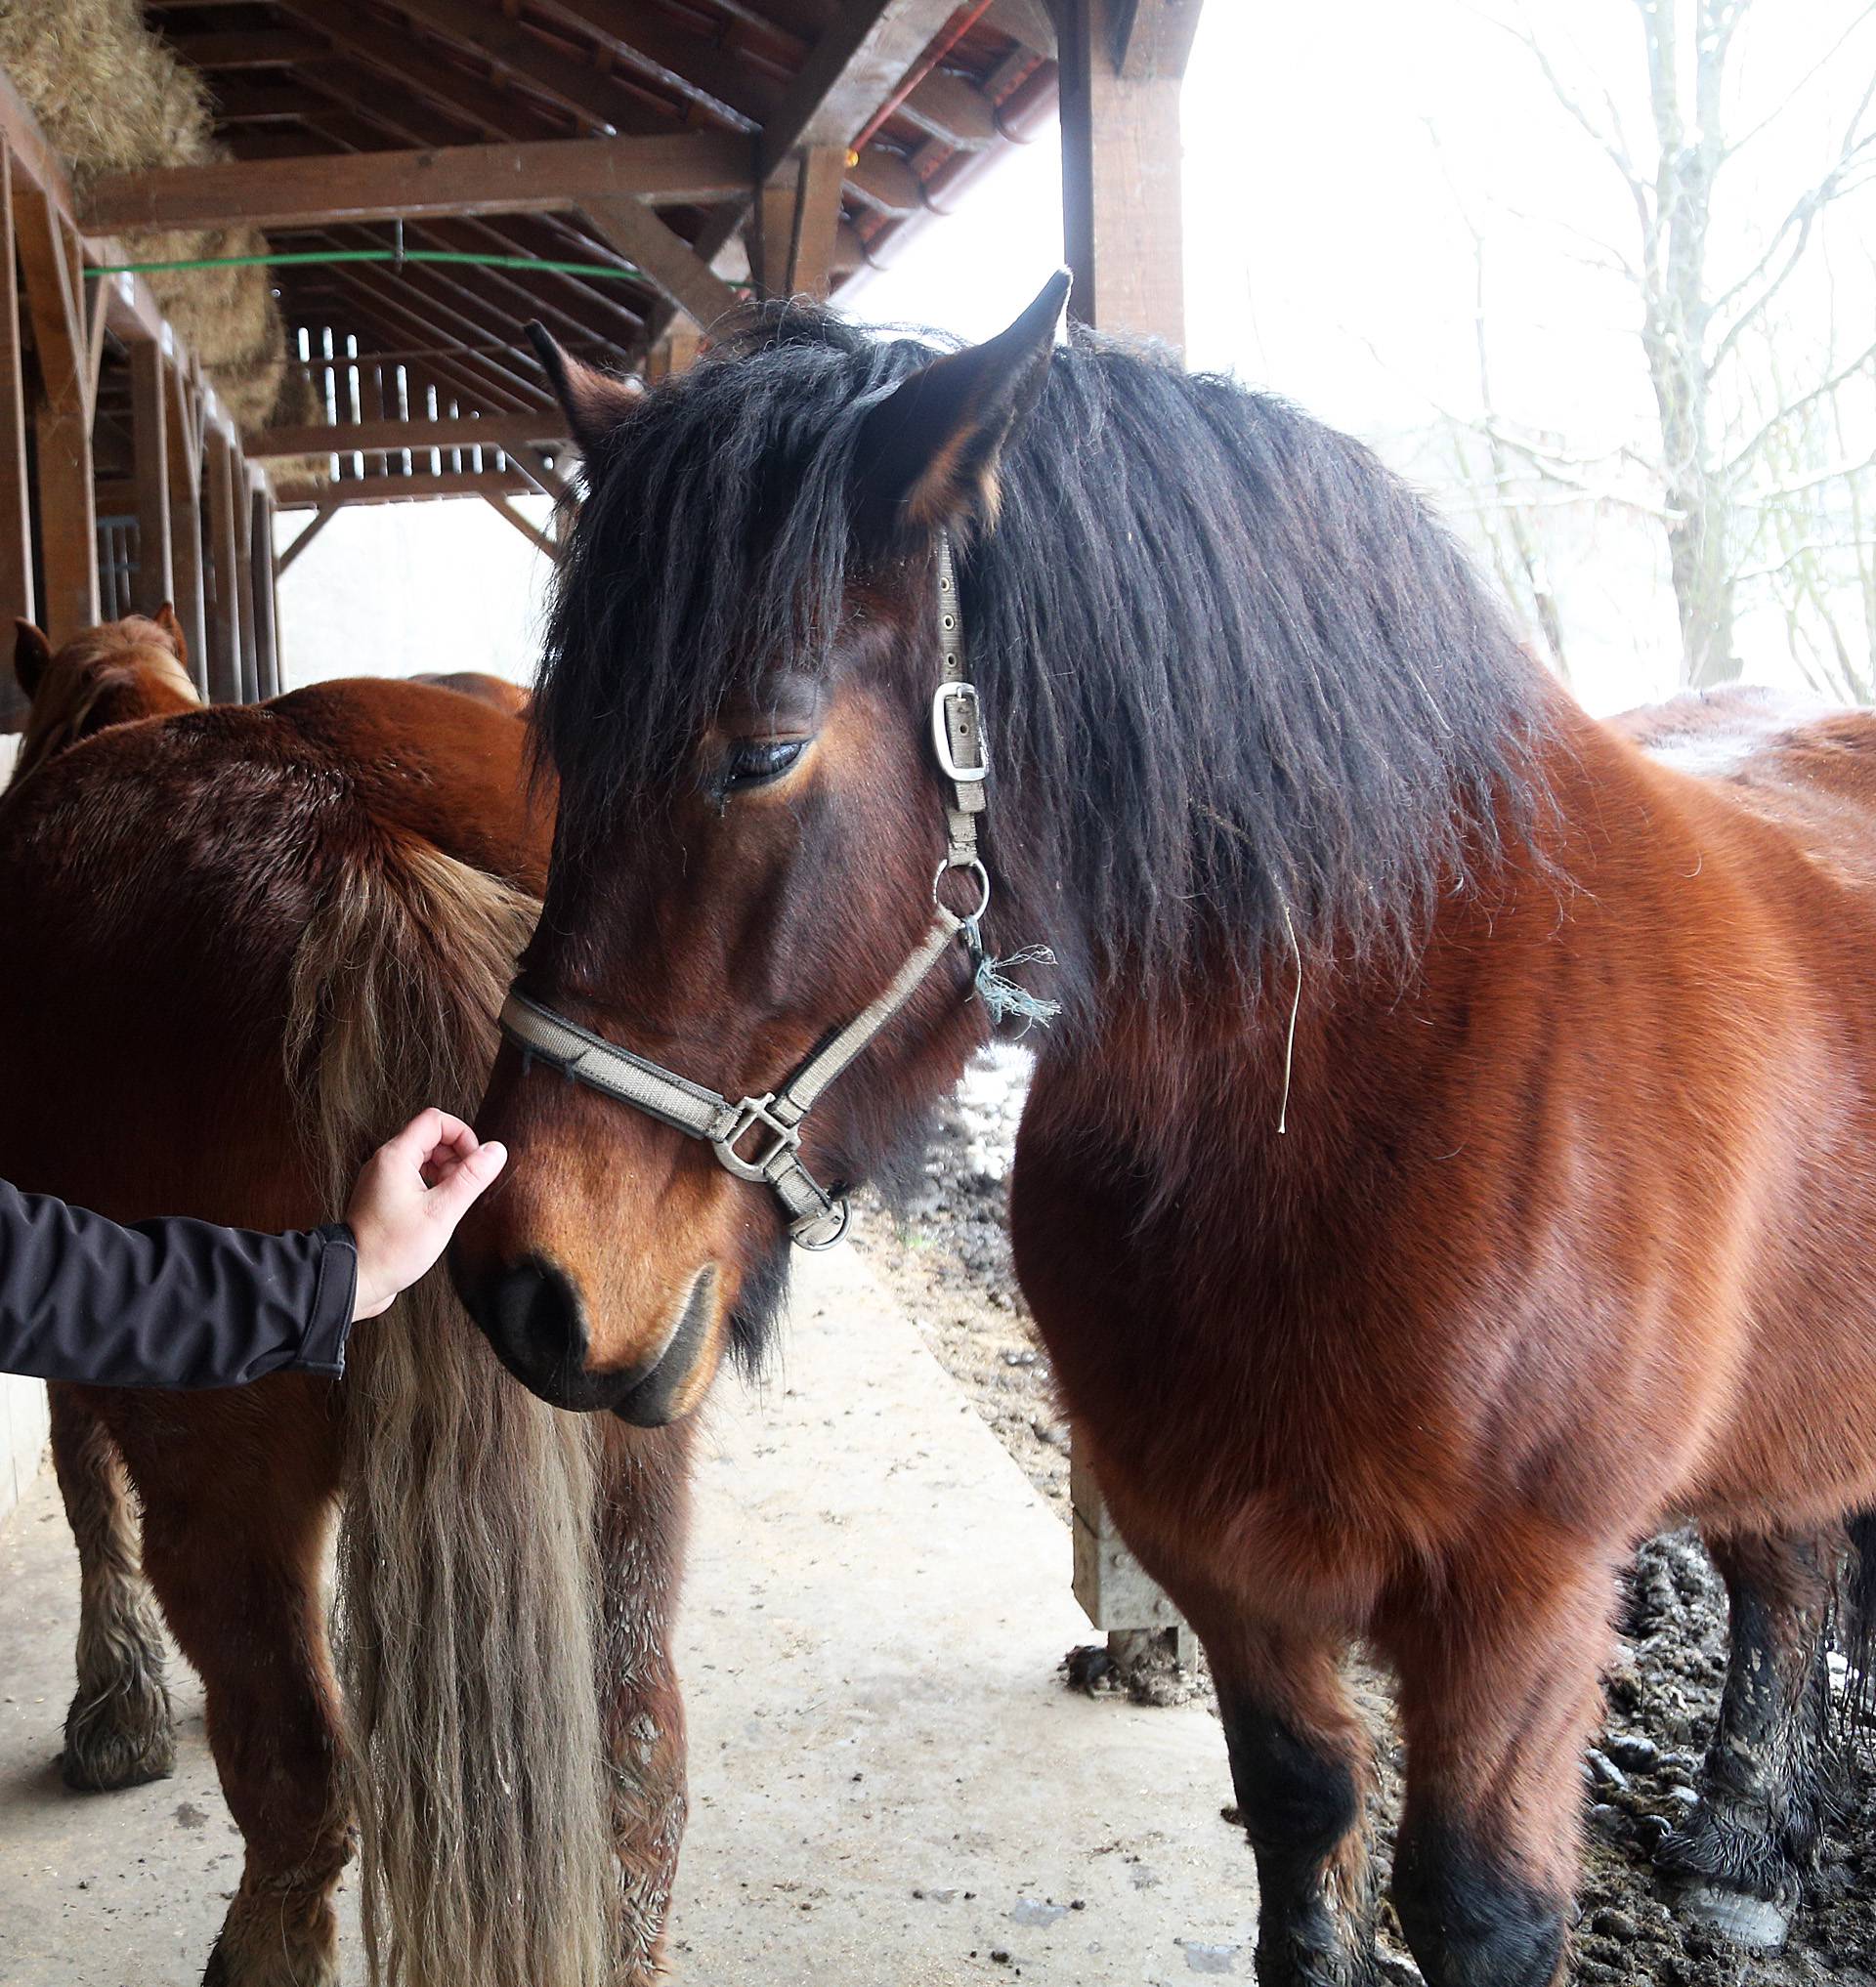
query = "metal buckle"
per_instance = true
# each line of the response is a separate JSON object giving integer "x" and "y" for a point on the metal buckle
{"x": 752, "y": 1112}
{"x": 941, "y": 733}
{"x": 837, "y": 1211}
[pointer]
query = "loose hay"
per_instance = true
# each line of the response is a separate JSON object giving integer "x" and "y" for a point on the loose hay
{"x": 112, "y": 98}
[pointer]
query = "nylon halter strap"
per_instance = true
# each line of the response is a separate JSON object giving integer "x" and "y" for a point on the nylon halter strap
{"x": 759, "y": 1138}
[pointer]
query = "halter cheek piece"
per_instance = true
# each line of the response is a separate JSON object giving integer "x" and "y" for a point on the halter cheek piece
{"x": 759, "y": 1139}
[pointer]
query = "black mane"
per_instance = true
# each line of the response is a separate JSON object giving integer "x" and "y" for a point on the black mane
{"x": 1233, "y": 670}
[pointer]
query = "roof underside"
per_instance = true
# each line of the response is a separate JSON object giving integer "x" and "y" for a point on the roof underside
{"x": 318, "y": 78}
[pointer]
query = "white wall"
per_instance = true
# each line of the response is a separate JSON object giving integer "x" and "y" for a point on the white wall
{"x": 402, "y": 589}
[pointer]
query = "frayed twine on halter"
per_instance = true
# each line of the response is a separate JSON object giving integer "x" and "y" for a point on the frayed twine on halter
{"x": 1003, "y": 997}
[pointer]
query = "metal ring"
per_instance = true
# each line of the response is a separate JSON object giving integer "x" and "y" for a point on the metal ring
{"x": 973, "y": 867}
{"x": 837, "y": 1203}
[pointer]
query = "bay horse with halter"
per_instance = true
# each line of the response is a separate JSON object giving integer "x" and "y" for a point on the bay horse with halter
{"x": 250, "y": 940}
{"x": 1450, "y": 1161}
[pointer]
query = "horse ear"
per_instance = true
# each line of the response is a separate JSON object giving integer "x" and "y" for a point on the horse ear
{"x": 594, "y": 403}
{"x": 32, "y": 652}
{"x": 927, "y": 455}
{"x": 165, "y": 619}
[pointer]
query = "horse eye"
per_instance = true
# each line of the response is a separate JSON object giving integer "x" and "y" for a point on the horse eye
{"x": 757, "y": 761}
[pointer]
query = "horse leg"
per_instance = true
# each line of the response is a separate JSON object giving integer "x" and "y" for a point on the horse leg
{"x": 1303, "y": 1766}
{"x": 1738, "y": 1865}
{"x": 120, "y": 1730}
{"x": 645, "y": 1497}
{"x": 233, "y": 1543}
{"x": 1499, "y": 1688}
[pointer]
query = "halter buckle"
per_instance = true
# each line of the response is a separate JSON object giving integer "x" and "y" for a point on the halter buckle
{"x": 752, "y": 1112}
{"x": 970, "y": 722}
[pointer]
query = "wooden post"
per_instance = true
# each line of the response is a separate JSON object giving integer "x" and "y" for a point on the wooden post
{"x": 259, "y": 570}
{"x": 16, "y": 497}
{"x": 224, "y": 606}
{"x": 817, "y": 221}
{"x": 183, "y": 459}
{"x": 69, "y": 333}
{"x": 149, "y": 425}
{"x": 246, "y": 620}
{"x": 1121, "y": 62}
{"x": 1121, "y": 209}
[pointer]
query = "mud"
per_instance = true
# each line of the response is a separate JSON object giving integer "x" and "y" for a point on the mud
{"x": 950, "y": 1263}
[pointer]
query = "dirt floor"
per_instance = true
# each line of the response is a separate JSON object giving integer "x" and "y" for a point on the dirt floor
{"x": 951, "y": 1267}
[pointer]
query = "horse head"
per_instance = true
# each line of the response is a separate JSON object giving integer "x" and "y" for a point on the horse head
{"x": 738, "y": 703}
{"x": 136, "y": 667}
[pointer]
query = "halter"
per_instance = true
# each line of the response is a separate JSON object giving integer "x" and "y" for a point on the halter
{"x": 759, "y": 1138}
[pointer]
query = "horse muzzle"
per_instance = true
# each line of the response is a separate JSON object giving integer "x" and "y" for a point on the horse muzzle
{"x": 532, "y": 1313}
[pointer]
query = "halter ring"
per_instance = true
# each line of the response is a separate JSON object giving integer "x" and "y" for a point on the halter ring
{"x": 973, "y": 867}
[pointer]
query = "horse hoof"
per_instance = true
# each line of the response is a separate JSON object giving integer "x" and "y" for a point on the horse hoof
{"x": 1758, "y": 1923}
{"x": 119, "y": 1741}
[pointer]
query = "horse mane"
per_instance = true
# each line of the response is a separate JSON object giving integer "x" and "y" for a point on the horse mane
{"x": 109, "y": 675}
{"x": 1239, "y": 683}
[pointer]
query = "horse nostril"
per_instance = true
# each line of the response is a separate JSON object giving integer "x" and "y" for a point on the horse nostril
{"x": 532, "y": 1316}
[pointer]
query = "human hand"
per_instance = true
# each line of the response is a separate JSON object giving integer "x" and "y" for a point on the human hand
{"x": 408, "y": 1200}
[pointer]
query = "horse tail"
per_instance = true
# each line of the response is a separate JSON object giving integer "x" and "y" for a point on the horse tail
{"x": 467, "y": 1615}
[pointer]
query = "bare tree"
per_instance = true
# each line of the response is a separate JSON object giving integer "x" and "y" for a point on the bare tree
{"x": 1757, "y": 480}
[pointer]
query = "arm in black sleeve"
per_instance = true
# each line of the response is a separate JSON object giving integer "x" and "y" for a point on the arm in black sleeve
{"x": 170, "y": 1303}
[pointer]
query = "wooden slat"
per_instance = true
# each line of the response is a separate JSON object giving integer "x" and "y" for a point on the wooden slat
{"x": 670, "y": 262}
{"x": 491, "y": 179}
{"x": 498, "y": 113}
{"x": 578, "y": 86}
{"x": 224, "y": 596}
{"x": 388, "y": 490}
{"x": 150, "y": 423}
{"x": 183, "y": 456}
{"x": 260, "y": 581}
{"x": 270, "y": 48}
{"x": 507, "y": 432}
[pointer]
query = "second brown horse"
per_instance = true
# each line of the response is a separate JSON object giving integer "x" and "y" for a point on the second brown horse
{"x": 242, "y": 944}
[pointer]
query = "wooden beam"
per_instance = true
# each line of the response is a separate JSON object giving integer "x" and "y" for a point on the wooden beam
{"x": 182, "y": 458}
{"x": 1152, "y": 38}
{"x": 224, "y": 607}
{"x": 1027, "y": 21}
{"x": 322, "y": 516}
{"x": 15, "y": 499}
{"x": 149, "y": 431}
{"x": 664, "y": 256}
{"x": 1120, "y": 184}
{"x": 535, "y": 536}
{"x": 384, "y": 185}
{"x": 390, "y": 490}
{"x": 445, "y": 85}
{"x": 854, "y": 67}
{"x": 581, "y": 88}
{"x": 506, "y": 432}
{"x": 271, "y": 48}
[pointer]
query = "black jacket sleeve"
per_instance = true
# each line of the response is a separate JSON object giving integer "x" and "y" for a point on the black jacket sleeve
{"x": 171, "y": 1303}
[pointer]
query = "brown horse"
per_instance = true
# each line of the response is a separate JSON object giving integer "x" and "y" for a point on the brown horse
{"x": 1451, "y": 1161}
{"x": 250, "y": 940}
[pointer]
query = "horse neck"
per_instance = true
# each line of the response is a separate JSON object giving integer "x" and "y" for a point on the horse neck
{"x": 119, "y": 695}
{"x": 1304, "y": 1057}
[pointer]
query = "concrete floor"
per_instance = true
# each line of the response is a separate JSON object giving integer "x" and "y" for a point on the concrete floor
{"x": 890, "y": 1784}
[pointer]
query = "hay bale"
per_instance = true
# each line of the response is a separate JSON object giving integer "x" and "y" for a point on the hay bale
{"x": 113, "y": 98}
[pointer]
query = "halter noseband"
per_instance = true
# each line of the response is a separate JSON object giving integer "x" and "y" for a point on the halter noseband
{"x": 759, "y": 1139}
